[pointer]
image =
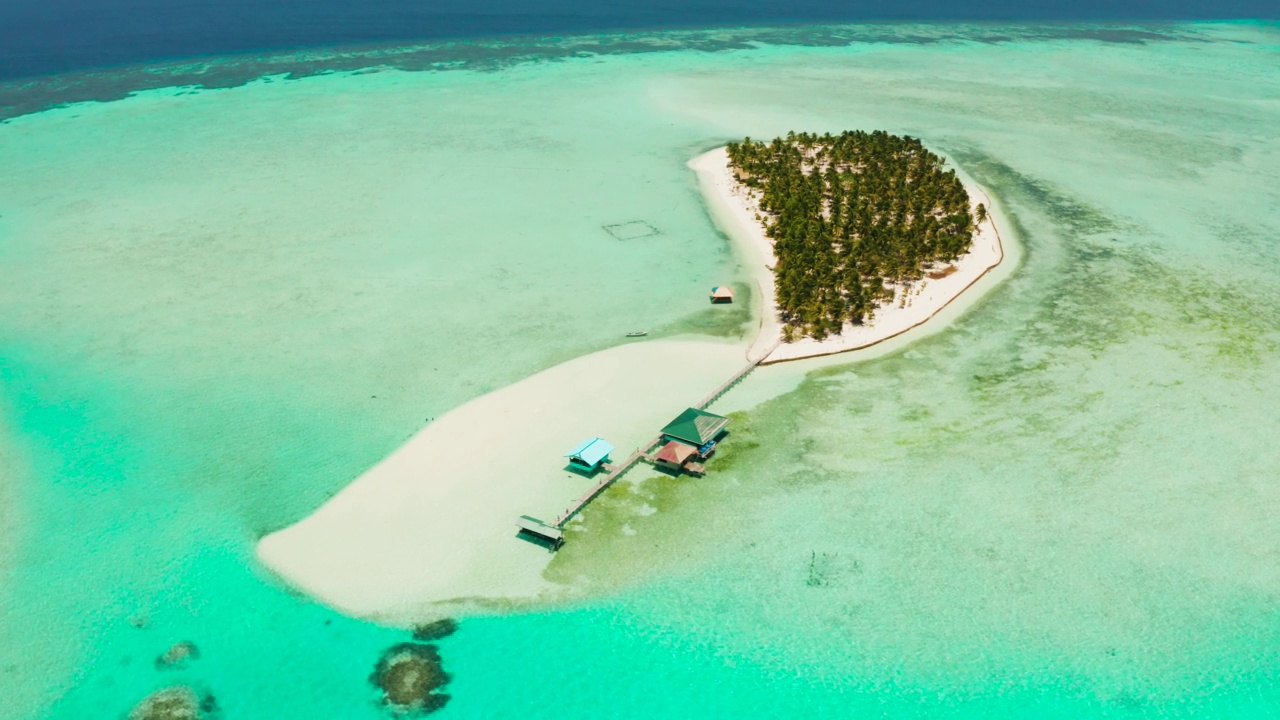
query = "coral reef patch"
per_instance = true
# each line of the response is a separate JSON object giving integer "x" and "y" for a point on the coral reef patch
{"x": 178, "y": 656}
{"x": 435, "y": 630}
{"x": 178, "y": 702}
{"x": 408, "y": 676}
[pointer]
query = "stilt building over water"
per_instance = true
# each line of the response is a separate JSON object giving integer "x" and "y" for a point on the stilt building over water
{"x": 553, "y": 537}
{"x": 675, "y": 457}
{"x": 589, "y": 455}
{"x": 691, "y": 436}
{"x": 698, "y": 428}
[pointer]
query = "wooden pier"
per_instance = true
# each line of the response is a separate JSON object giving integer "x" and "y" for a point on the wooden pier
{"x": 616, "y": 471}
{"x": 724, "y": 387}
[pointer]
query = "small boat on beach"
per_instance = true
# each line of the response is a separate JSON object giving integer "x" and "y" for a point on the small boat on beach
{"x": 637, "y": 333}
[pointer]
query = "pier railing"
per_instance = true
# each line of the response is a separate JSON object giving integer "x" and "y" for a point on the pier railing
{"x": 617, "y": 471}
{"x": 735, "y": 379}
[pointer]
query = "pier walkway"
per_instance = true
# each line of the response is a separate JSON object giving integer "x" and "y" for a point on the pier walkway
{"x": 616, "y": 471}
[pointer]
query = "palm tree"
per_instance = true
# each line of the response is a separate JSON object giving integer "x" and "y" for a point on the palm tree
{"x": 848, "y": 214}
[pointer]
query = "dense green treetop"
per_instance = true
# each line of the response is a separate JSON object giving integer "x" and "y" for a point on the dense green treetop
{"x": 849, "y": 214}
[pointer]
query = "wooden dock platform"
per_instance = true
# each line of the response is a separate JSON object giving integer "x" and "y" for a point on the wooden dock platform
{"x": 615, "y": 471}
{"x": 553, "y": 536}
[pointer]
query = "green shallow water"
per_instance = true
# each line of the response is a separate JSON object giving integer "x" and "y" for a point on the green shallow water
{"x": 221, "y": 306}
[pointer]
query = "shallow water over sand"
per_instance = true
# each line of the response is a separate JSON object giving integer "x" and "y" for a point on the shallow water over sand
{"x": 221, "y": 307}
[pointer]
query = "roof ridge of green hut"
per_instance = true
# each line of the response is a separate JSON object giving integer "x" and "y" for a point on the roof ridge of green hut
{"x": 695, "y": 426}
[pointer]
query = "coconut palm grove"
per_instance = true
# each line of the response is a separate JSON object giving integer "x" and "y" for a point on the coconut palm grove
{"x": 851, "y": 216}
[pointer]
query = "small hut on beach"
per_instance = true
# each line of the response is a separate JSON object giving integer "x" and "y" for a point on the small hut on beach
{"x": 721, "y": 294}
{"x": 589, "y": 454}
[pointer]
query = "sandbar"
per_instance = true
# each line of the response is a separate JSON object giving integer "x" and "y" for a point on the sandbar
{"x": 431, "y": 528}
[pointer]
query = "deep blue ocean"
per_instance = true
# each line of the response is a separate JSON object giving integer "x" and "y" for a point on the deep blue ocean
{"x": 40, "y": 37}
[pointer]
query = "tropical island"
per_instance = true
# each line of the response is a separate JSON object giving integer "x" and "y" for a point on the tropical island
{"x": 870, "y": 236}
{"x": 861, "y": 236}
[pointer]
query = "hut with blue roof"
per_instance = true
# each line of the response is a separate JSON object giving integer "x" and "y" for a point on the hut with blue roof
{"x": 589, "y": 455}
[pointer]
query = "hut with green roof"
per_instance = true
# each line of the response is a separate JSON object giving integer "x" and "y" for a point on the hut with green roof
{"x": 698, "y": 428}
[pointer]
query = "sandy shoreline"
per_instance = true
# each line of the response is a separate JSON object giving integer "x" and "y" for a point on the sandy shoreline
{"x": 734, "y": 209}
{"x": 431, "y": 528}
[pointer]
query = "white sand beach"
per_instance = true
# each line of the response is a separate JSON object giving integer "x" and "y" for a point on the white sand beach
{"x": 431, "y": 529}
{"x": 432, "y": 526}
{"x": 734, "y": 209}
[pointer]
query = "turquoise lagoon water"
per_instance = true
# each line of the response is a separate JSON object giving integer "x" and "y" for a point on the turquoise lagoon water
{"x": 222, "y": 305}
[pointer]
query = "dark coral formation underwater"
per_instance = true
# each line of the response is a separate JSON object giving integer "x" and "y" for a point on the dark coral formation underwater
{"x": 408, "y": 676}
